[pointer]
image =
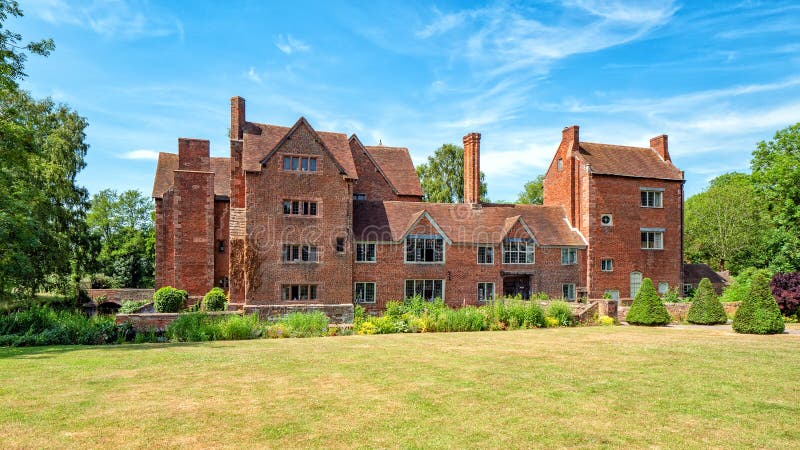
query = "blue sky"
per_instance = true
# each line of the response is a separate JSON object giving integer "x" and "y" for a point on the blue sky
{"x": 716, "y": 77}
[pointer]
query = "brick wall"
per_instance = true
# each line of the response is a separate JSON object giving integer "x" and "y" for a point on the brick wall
{"x": 621, "y": 242}
{"x": 370, "y": 181}
{"x": 337, "y": 313}
{"x": 268, "y": 229}
{"x": 679, "y": 311}
{"x": 159, "y": 321}
{"x": 119, "y": 295}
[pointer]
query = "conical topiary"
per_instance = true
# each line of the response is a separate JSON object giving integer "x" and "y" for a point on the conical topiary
{"x": 647, "y": 308}
{"x": 758, "y": 313}
{"x": 706, "y": 308}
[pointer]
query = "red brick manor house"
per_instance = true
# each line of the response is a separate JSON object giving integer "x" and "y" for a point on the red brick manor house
{"x": 300, "y": 216}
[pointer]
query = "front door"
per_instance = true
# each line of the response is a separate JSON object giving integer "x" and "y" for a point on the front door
{"x": 517, "y": 285}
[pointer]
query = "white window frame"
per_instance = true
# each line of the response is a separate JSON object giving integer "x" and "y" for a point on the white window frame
{"x": 424, "y": 238}
{"x": 657, "y": 241}
{"x": 366, "y": 253}
{"x": 488, "y": 251}
{"x": 423, "y": 280}
{"x": 483, "y": 285}
{"x": 569, "y": 256}
{"x": 609, "y": 267}
{"x": 666, "y": 287}
{"x": 651, "y": 197}
{"x": 638, "y": 286}
{"x": 571, "y": 295}
{"x": 364, "y": 300}
{"x": 529, "y": 252}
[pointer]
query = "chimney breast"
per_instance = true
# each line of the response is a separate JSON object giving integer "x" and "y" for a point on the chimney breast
{"x": 237, "y": 117}
{"x": 193, "y": 154}
{"x": 472, "y": 168}
{"x": 659, "y": 144}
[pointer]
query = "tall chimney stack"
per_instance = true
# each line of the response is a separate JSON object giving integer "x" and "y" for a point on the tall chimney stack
{"x": 472, "y": 168}
{"x": 659, "y": 144}
{"x": 237, "y": 117}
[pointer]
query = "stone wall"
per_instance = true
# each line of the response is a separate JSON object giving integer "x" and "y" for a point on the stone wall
{"x": 158, "y": 321}
{"x": 337, "y": 313}
{"x": 679, "y": 311}
{"x": 119, "y": 295}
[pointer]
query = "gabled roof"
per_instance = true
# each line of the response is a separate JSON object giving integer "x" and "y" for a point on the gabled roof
{"x": 640, "y": 162}
{"x": 461, "y": 223}
{"x": 416, "y": 218}
{"x": 693, "y": 273}
{"x": 168, "y": 164}
{"x": 261, "y": 140}
{"x": 396, "y": 166}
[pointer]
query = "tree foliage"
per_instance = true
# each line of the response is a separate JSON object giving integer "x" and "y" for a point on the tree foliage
{"x": 758, "y": 313}
{"x": 776, "y": 175}
{"x": 786, "y": 290}
{"x": 532, "y": 192}
{"x": 706, "y": 308}
{"x": 13, "y": 53}
{"x": 442, "y": 177}
{"x": 121, "y": 225}
{"x": 647, "y": 308}
{"x": 726, "y": 225}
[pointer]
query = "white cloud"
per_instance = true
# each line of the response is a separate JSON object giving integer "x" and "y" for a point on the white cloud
{"x": 128, "y": 19}
{"x": 288, "y": 44}
{"x": 140, "y": 154}
{"x": 253, "y": 75}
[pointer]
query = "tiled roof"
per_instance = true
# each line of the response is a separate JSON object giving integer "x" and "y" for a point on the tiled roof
{"x": 396, "y": 164}
{"x": 260, "y": 140}
{"x": 168, "y": 164}
{"x": 638, "y": 162}
{"x": 693, "y": 273}
{"x": 389, "y": 221}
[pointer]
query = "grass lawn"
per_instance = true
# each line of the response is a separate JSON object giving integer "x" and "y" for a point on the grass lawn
{"x": 575, "y": 387}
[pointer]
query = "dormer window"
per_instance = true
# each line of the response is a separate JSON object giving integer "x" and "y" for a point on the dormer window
{"x": 424, "y": 249}
{"x": 517, "y": 251}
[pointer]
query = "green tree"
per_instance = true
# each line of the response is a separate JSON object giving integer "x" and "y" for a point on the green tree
{"x": 726, "y": 225}
{"x": 13, "y": 53}
{"x": 532, "y": 192}
{"x": 759, "y": 312}
{"x": 647, "y": 308}
{"x": 42, "y": 149}
{"x": 442, "y": 177}
{"x": 122, "y": 225}
{"x": 706, "y": 308}
{"x": 776, "y": 175}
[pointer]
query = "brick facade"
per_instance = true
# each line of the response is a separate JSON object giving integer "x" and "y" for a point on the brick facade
{"x": 223, "y": 222}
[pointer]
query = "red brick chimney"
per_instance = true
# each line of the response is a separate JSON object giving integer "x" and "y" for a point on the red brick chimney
{"x": 237, "y": 117}
{"x": 659, "y": 144}
{"x": 472, "y": 168}
{"x": 193, "y": 154}
{"x": 572, "y": 134}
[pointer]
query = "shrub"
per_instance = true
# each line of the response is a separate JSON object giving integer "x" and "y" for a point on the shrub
{"x": 192, "y": 327}
{"x": 131, "y": 306}
{"x": 463, "y": 319}
{"x": 102, "y": 281}
{"x": 359, "y": 314}
{"x": 605, "y": 321}
{"x": 561, "y": 312}
{"x": 367, "y": 328}
{"x": 236, "y": 327}
{"x": 307, "y": 324}
{"x": 551, "y": 322}
{"x": 215, "y": 300}
{"x": 277, "y": 330}
{"x": 786, "y": 290}
{"x": 706, "y": 308}
{"x": 42, "y": 325}
{"x": 647, "y": 308}
{"x": 758, "y": 313}
{"x": 672, "y": 296}
{"x": 739, "y": 289}
{"x": 169, "y": 300}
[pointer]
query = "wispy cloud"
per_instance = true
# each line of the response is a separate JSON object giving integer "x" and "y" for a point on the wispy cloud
{"x": 114, "y": 18}
{"x": 253, "y": 76}
{"x": 288, "y": 44}
{"x": 140, "y": 154}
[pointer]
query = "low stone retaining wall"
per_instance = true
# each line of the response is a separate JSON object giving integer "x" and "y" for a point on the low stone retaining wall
{"x": 679, "y": 311}
{"x": 159, "y": 321}
{"x": 337, "y": 313}
{"x": 119, "y": 295}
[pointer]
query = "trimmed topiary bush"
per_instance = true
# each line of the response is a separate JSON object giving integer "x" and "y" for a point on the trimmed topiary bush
{"x": 758, "y": 313}
{"x": 215, "y": 300}
{"x": 706, "y": 308}
{"x": 647, "y": 308}
{"x": 169, "y": 300}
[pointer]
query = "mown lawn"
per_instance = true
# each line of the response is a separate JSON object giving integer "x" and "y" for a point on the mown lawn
{"x": 578, "y": 387}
